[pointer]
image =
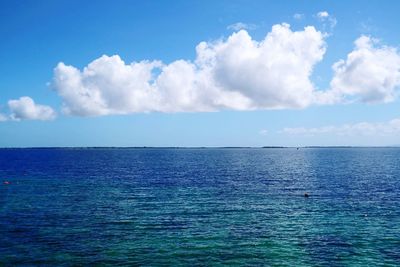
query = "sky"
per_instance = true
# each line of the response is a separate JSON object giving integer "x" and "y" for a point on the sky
{"x": 199, "y": 73}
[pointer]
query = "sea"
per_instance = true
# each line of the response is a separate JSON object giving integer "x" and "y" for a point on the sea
{"x": 200, "y": 207}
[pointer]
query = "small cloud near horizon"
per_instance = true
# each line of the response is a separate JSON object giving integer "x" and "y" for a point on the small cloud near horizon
{"x": 389, "y": 128}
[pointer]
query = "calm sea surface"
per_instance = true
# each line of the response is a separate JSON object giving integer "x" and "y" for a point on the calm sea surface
{"x": 200, "y": 207}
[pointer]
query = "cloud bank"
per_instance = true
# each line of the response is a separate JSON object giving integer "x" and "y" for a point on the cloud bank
{"x": 238, "y": 73}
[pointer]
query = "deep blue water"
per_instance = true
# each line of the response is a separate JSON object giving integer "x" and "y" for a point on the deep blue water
{"x": 200, "y": 207}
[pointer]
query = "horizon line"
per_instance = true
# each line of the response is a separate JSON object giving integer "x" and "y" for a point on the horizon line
{"x": 197, "y": 147}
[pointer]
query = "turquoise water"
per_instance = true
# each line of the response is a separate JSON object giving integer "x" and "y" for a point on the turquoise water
{"x": 200, "y": 207}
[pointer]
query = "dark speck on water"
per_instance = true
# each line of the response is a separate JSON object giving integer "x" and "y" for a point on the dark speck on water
{"x": 200, "y": 207}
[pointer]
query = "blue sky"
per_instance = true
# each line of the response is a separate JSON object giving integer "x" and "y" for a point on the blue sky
{"x": 240, "y": 88}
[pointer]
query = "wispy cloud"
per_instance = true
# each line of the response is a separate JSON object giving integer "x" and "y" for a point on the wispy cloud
{"x": 298, "y": 16}
{"x": 357, "y": 129}
{"x": 328, "y": 20}
{"x": 241, "y": 26}
{"x": 367, "y": 26}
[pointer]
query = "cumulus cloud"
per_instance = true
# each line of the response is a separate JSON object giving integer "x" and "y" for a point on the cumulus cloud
{"x": 370, "y": 73}
{"x": 241, "y": 26}
{"x": 237, "y": 73}
{"x": 25, "y": 108}
{"x": 389, "y": 128}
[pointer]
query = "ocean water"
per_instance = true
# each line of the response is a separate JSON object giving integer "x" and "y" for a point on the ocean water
{"x": 204, "y": 207}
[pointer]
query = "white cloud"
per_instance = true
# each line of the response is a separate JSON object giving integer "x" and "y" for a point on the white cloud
{"x": 241, "y": 26}
{"x": 237, "y": 73}
{"x": 298, "y": 16}
{"x": 263, "y": 132}
{"x": 25, "y": 108}
{"x": 323, "y": 14}
{"x": 371, "y": 73}
{"x": 273, "y": 73}
{"x": 106, "y": 86}
{"x": 389, "y": 128}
